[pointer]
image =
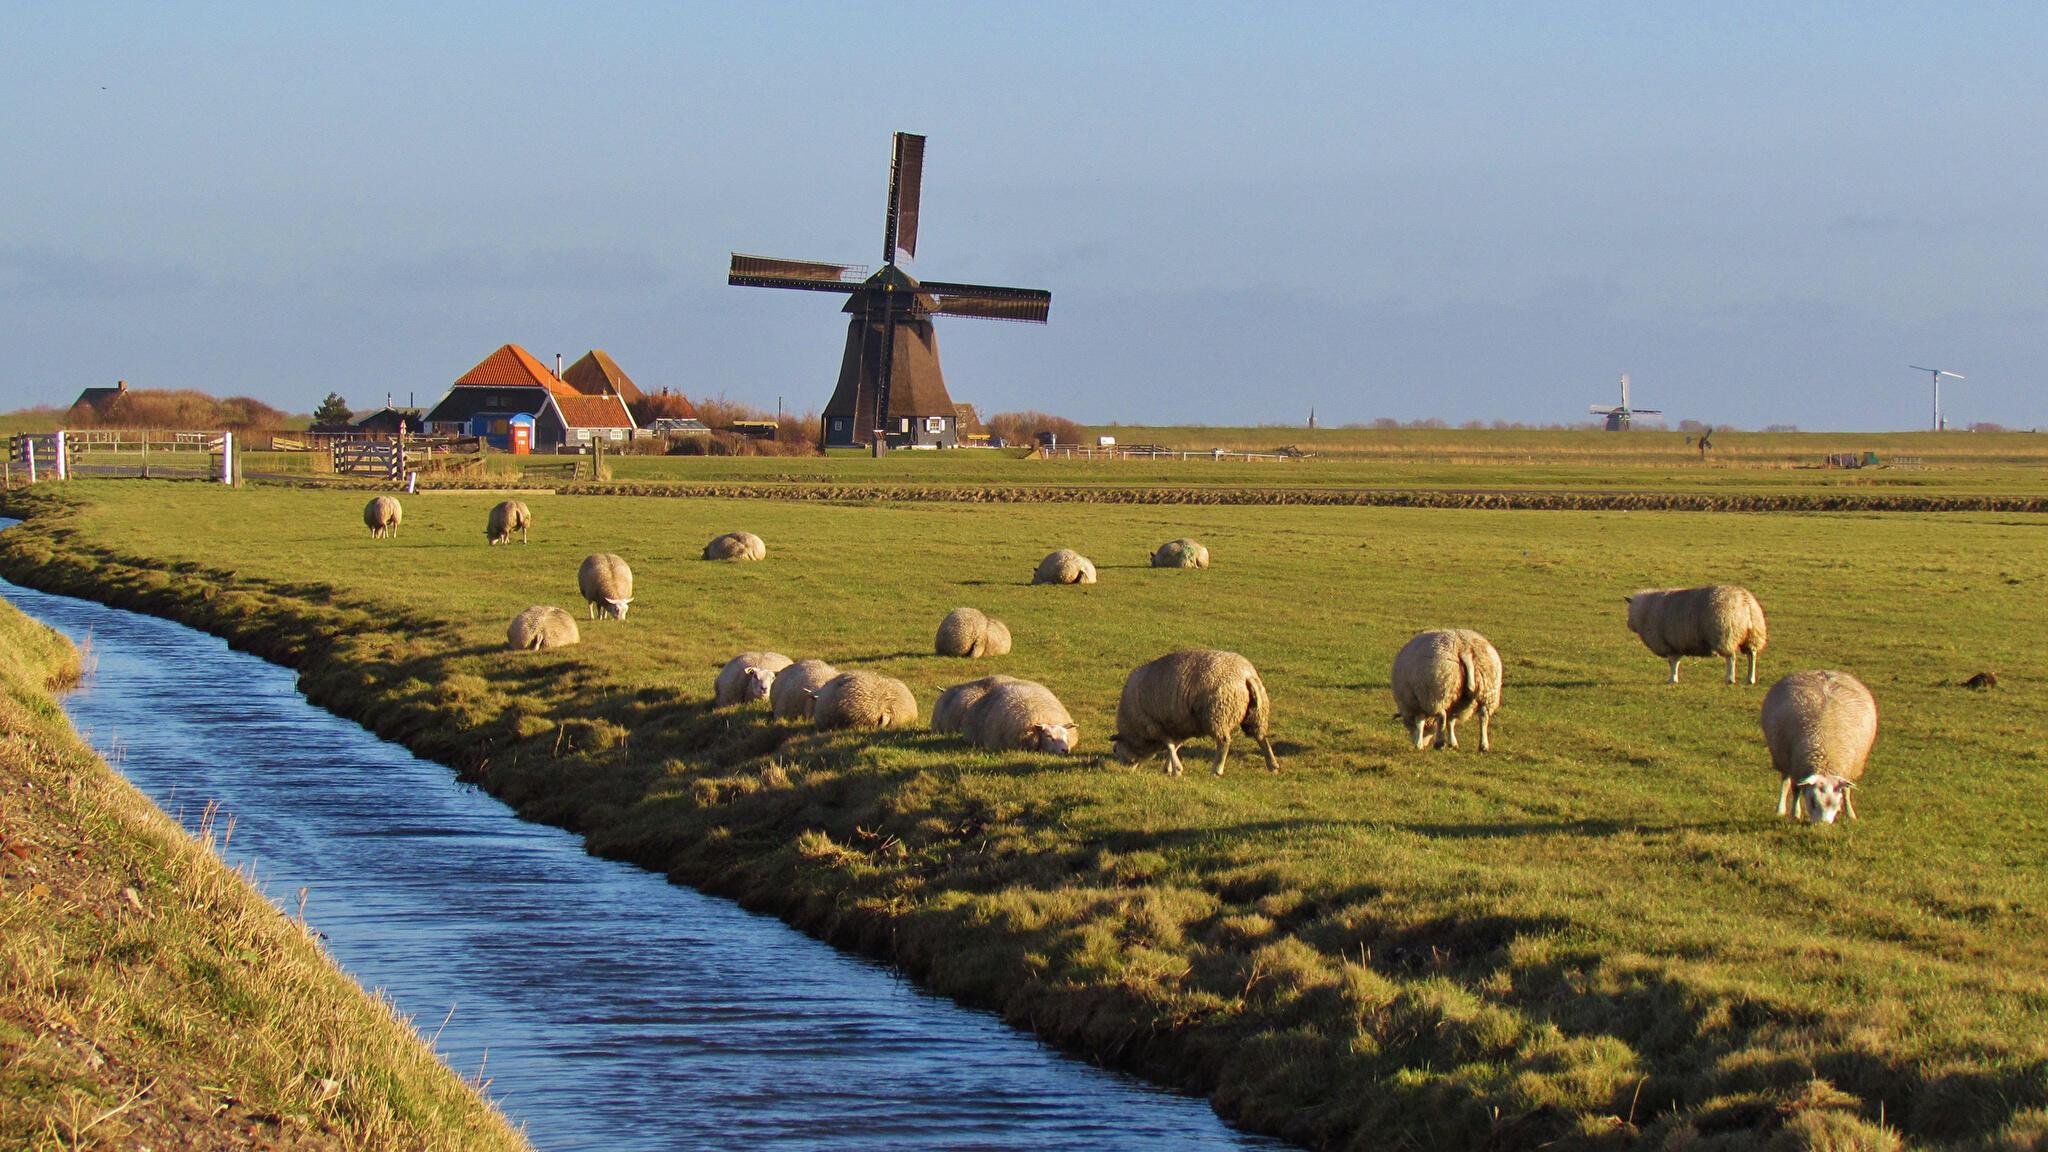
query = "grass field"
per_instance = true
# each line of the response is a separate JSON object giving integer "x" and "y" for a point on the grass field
{"x": 1598, "y": 934}
{"x": 150, "y": 998}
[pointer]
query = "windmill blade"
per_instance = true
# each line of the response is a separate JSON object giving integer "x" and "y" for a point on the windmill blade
{"x": 1597, "y": 410}
{"x": 1646, "y": 411}
{"x": 906, "y": 187}
{"x": 770, "y": 272}
{"x": 988, "y": 302}
{"x": 1917, "y": 368}
{"x": 1954, "y": 375}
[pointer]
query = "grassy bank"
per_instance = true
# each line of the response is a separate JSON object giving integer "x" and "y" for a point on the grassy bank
{"x": 150, "y": 998}
{"x": 1598, "y": 934}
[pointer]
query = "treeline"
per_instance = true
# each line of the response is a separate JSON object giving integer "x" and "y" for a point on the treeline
{"x": 179, "y": 408}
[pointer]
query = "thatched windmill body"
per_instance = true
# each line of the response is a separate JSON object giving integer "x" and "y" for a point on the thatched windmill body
{"x": 889, "y": 379}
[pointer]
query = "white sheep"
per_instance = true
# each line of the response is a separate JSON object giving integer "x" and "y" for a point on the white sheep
{"x": 972, "y": 633}
{"x": 1819, "y": 727}
{"x": 507, "y": 517}
{"x": 1065, "y": 566}
{"x": 1443, "y": 676}
{"x": 381, "y": 515}
{"x": 541, "y": 627}
{"x": 1718, "y": 620}
{"x": 793, "y": 693}
{"x": 950, "y": 709}
{"x": 736, "y": 546}
{"x": 605, "y": 579}
{"x": 747, "y": 677}
{"x": 1182, "y": 695}
{"x": 1020, "y": 714}
{"x": 1181, "y": 553}
{"x": 863, "y": 699}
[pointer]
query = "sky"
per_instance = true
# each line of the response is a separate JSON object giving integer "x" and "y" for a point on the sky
{"x": 1762, "y": 212}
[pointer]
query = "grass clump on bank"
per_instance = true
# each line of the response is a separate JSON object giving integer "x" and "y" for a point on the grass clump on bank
{"x": 1596, "y": 936}
{"x": 150, "y": 997}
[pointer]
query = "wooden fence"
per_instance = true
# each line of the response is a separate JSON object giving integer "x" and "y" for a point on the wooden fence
{"x": 33, "y": 457}
{"x": 1157, "y": 452}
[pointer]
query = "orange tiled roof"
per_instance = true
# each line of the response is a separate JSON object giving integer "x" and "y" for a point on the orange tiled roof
{"x": 514, "y": 367}
{"x": 579, "y": 411}
{"x": 597, "y": 373}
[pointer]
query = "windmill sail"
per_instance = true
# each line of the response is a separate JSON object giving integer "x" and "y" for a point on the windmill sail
{"x": 906, "y": 187}
{"x": 770, "y": 272}
{"x": 1025, "y": 305}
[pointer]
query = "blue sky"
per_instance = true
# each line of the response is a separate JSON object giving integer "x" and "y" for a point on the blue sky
{"x": 1465, "y": 212}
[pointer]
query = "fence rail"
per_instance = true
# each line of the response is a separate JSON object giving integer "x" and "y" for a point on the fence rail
{"x": 34, "y": 457}
{"x": 1156, "y": 452}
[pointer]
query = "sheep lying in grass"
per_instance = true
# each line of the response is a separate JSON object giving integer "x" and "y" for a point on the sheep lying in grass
{"x": 507, "y": 517}
{"x": 381, "y": 515}
{"x": 605, "y": 580}
{"x": 794, "y": 690}
{"x": 950, "y": 709}
{"x": 1020, "y": 714}
{"x": 1719, "y": 620}
{"x": 747, "y": 677}
{"x": 1198, "y": 692}
{"x": 1065, "y": 566}
{"x": 1443, "y": 676}
{"x": 1182, "y": 553}
{"x": 736, "y": 546}
{"x": 972, "y": 633}
{"x": 1819, "y": 727}
{"x": 863, "y": 700}
{"x": 542, "y": 627}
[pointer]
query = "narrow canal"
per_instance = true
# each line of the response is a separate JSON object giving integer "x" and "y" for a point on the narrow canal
{"x": 607, "y": 1008}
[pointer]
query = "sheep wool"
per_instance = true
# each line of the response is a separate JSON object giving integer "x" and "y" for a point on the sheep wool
{"x": 864, "y": 700}
{"x": 381, "y": 515}
{"x": 792, "y": 694}
{"x": 736, "y": 546}
{"x": 541, "y": 626}
{"x": 1443, "y": 676}
{"x": 1718, "y": 620}
{"x": 1182, "y": 695}
{"x": 950, "y": 709}
{"x": 747, "y": 677}
{"x": 1819, "y": 727}
{"x": 1065, "y": 566}
{"x": 1182, "y": 553}
{"x": 1023, "y": 715}
{"x": 972, "y": 633}
{"x": 606, "y": 581}
{"x": 507, "y": 517}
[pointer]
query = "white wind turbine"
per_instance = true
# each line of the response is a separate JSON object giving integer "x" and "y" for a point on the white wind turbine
{"x": 1937, "y": 374}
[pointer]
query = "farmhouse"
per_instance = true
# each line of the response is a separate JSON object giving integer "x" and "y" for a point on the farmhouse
{"x": 510, "y": 383}
{"x": 101, "y": 401}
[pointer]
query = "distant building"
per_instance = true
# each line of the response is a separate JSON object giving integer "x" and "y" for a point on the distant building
{"x": 597, "y": 374}
{"x": 101, "y": 401}
{"x": 510, "y": 382}
{"x": 388, "y": 421}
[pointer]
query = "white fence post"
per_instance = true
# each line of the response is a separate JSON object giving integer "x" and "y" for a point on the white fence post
{"x": 29, "y": 446}
{"x": 227, "y": 458}
{"x": 63, "y": 464}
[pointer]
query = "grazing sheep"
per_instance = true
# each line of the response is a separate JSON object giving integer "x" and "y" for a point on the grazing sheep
{"x": 507, "y": 517}
{"x": 542, "y": 627}
{"x": 736, "y": 546}
{"x": 1065, "y": 566}
{"x": 1819, "y": 727}
{"x": 863, "y": 700}
{"x": 382, "y": 515}
{"x": 1198, "y": 692}
{"x": 1181, "y": 553}
{"x": 970, "y": 632}
{"x": 1719, "y": 620}
{"x": 1020, "y": 714}
{"x": 605, "y": 579}
{"x": 950, "y": 709}
{"x": 747, "y": 677}
{"x": 1443, "y": 676}
{"x": 791, "y": 695}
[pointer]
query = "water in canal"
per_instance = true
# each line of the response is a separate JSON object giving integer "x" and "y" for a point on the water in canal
{"x": 609, "y": 1009}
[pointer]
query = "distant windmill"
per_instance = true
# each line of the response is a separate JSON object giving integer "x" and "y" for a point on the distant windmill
{"x": 1937, "y": 374}
{"x": 1619, "y": 419}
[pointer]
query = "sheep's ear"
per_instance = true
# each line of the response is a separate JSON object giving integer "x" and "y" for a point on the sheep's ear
{"x": 1628, "y": 599}
{"x": 1848, "y": 784}
{"x": 1808, "y": 782}
{"x": 811, "y": 693}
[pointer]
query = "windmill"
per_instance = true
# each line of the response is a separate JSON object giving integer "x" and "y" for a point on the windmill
{"x": 889, "y": 379}
{"x": 1937, "y": 374}
{"x": 1619, "y": 419}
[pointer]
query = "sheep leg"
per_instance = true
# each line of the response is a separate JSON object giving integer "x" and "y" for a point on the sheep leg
{"x": 1420, "y": 725}
{"x": 1731, "y": 667}
{"x": 1849, "y": 802}
{"x": 1173, "y": 765}
{"x": 1752, "y": 666}
{"x": 1450, "y": 732}
{"x": 1272, "y": 761}
{"x": 1674, "y": 671}
{"x": 1222, "y": 752}
{"x": 1785, "y": 797}
{"x": 1485, "y": 740}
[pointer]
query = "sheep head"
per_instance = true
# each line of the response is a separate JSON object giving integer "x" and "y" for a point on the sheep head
{"x": 757, "y": 683}
{"x": 1821, "y": 797}
{"x": 1132, "y": 749}
{"x": 1058, "y": 739}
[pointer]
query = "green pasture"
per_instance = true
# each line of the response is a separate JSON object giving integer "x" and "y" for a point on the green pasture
{"x": 1599, "y": 932}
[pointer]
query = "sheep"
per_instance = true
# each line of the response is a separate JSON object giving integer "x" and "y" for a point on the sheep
{"x": 791, "y": 696}
{"x": 1020, "y": 714}
{"x": 1065, "y": 566}
{"x": 1181, "y": 553}
{"x": 381, "y": 515}
{"x": 1443, "y": 676}
{"x": 1182, "y": 695}
{"x": 1719, "y": 620}
{"x": 747, "y": 677}
{"x": 1819, "y": 727}
{"x": 971, "y": 633}
{"x": 736, "y": 546}
{"x": 950, "y": 709}
{"x": 541, "y": 626}
{"x": 863, "y": 700}
{"x": 605, "y": 579}
{"x": 507, "y": 517}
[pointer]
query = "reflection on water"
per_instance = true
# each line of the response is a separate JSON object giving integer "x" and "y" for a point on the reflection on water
{"x": 609, "y": 1009}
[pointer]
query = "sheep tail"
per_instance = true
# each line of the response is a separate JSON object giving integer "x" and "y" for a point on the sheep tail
{"x": 1258, "y": 710}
